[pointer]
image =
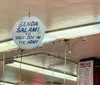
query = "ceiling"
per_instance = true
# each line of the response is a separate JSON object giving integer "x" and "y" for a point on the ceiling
{"x": 56, "y": 14}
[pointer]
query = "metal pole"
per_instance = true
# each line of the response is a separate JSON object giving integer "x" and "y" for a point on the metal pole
{"x": 3, "y": 67}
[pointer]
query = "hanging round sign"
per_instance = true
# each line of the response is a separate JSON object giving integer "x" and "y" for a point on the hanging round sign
{"x": 28, "y": 32}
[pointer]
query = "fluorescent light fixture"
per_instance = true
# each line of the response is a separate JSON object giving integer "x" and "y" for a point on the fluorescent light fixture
{"x": 76, "y": 32}
{"x": 43, "y": 71}
{"x": 63, "y": 34}
{"x": 48, "y": 38}
{"x": 7, "y": 46}
{"x": 11, "y": 44}
{"x": 1, "y": 83}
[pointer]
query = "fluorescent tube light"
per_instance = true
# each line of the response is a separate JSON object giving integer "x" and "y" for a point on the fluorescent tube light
{"x": 1, "y": 83}
{"x": 63, "y": 34}
{"x": 7, "y": 46}
{"x": 42, "y": 71}
{"x": 76, "y": 32}
{"x": 11, "y": 44}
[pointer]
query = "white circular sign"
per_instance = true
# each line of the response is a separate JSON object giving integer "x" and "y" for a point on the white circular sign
{"x": 28, "y": 32}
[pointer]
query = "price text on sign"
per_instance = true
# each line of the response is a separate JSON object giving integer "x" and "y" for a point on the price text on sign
{"x": 85, "y": 73}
